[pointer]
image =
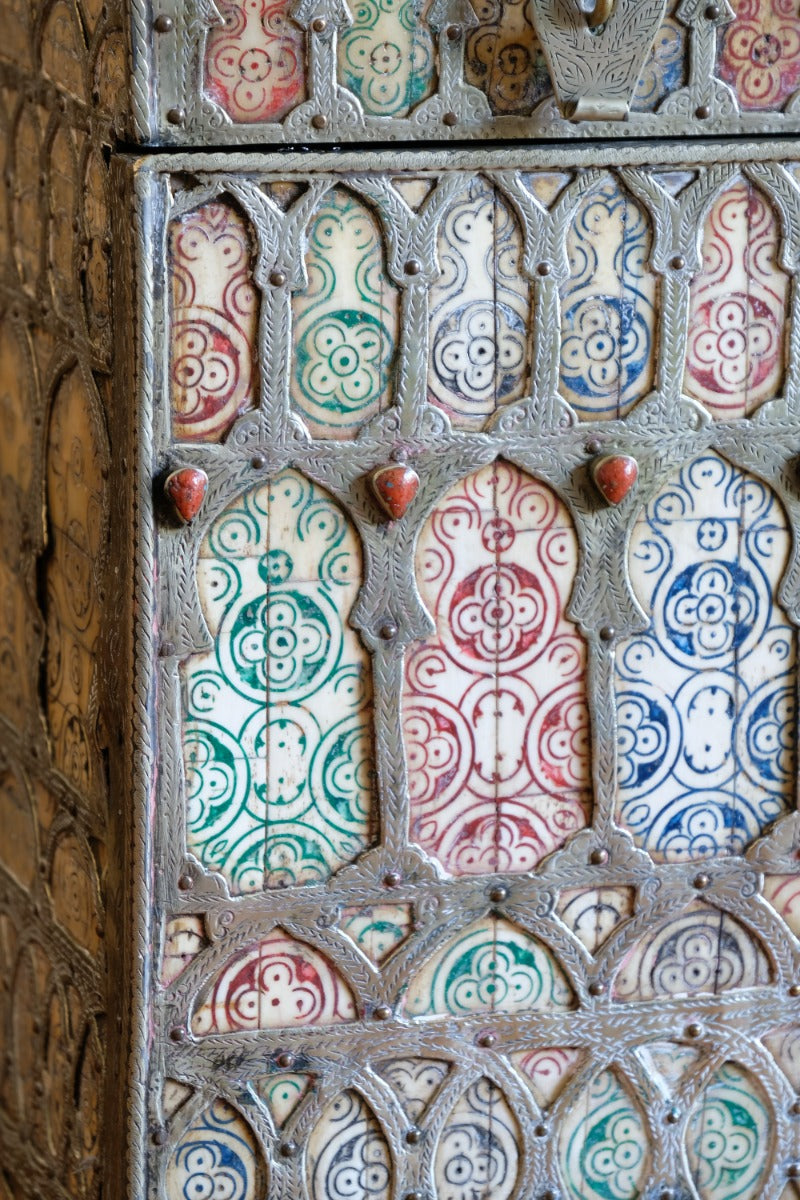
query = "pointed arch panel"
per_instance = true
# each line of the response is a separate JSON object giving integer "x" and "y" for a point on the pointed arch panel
{"x": 348, "y": 1155}
{"x": 277, "y": 715}
{"x": 216, "y": 1156}
{"x": 494, "y": 704}
{"x": 255, "y": 60}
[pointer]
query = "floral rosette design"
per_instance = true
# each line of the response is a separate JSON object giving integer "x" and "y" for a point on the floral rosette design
{"x": 216, "y": 1156}
{"x": 760, "y": 53}
{"x": 706, "y": 747}
{"x": 602, "y": 1147}
{"x": 494, "y": 705}
{"x": 345, "y": 322}
{"x": 386, "y": 57}
{"x": 255, "y": 60}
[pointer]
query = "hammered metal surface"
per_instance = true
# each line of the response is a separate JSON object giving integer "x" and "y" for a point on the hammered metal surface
{"x": 613, "y": 1015}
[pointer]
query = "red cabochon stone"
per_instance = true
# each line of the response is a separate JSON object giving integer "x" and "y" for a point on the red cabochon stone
{"x": 615, "y": 475}
{"x": 187, "y": 490}
{"x": 395, "y": 487}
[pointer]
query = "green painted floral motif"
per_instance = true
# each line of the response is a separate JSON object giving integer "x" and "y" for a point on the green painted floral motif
{"x": 345, "y": 322}
{"x": 602, "y": 1149}
{"x": 386, "y": 57}
{"x": 728, "y": 1137}
{"x": 491, "y": 967}
{"x": 277, "y": 738}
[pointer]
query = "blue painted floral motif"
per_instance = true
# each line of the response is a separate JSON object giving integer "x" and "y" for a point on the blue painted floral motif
{"x": 608, "y": 313}
{"x": 216, "y": 1157}
{"x": 705, "y": 698}
{"x": 664, "y": 70}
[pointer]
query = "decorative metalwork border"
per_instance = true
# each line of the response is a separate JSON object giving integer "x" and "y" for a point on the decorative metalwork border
{"x": 539, "y": 434}
{"x": 168, "y": 106}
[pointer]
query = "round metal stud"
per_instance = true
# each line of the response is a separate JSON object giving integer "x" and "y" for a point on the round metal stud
{"x": 673, "y": 1116}
{"x": 596, "y": 988}
{"x": 287, "y": 1149}
{"x": 285, "y": 1059}
{"x": 543, "y": 269}
{"x": 160, "y": 1136}
{"x": 593, "y": 446}
{"x": 388, "y": 631}
{"x": 382, "y": 1013}
{"x": 694, "y": 1030}
{"x": 540, "y": 1131}
{"x": 319, "y": 121}
{"x": 319, "y": 25}
{"x": 598, "y": 857}
{"x": 177, "y": 1033}
{"x": 277, "y": 278}
{"x": 795, "y": 1109}
{"x": 608, "y": 633}
{"x": 450, "y": 119}
{"x": 163, "y": 24}
{"x": 548, "y": 1195}
{"x": 678, "y": 262}
{"x": 413, "y": 267}
{"x": 392, "y": 879}
{"x": 176, "y": 116}
{"x": 667, "y": 1194}
{"x": 166, "y": 649}
{"x": 703, "y": 112}
{"x": 793, "y": 1170}
{"x": 712, "y": 12}
{"x": 413, "y": 1135}
{"x": 498, "y": 894}
{"x": 258, "y": 462}
{"x": 794, "y": 990}
{"x": 414, "y": 1196}
{"x": 186, "y": 883}
{"x": 701, "y": 881}
{"x": 486, "y": 1040}
{"x": 453, "y": 33}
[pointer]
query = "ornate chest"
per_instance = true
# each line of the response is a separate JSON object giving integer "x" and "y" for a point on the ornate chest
{"x": 400, "y": 583}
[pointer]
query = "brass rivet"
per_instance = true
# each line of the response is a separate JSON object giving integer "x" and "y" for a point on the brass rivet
{"x": 795, "y": 1109}
{"x": 287, "y": 1149}
{"x": 678, "y": 262}
{"x": 414, "y": 1196}
{"x": 694, "y": 1030}
{"x": 548, "y": 1195}
{"x": 540, "y": 1131}
{"x": 703, "y": 112}
{"x": 666, "y": 1194}
{"x": 258, "y": 462}
{"x": 160, "y": 1136}
{"x": 177, "y": 1033}
{"x": 608, "y": 633}
{"x": 599, "y": 857}
{"x": 793, "y": 1170}
{"x": 498, "y": 894}
{"x": 701, "y": 881}
{"x": 319, "y": 121}
{"x": 382, "y": 1013}
{"x": 413, "y": 267}
{"x": 673, "y": 1116}
{"x": 277, "y": 278}
{"x": 319, "y": 25}
{"x": 413, "y": 1135}
{"x": 596, "y": 988}
{"x": 166, "y": 649}
{"x": 285, "y": 1059}
{"x": 176, "y": 116}
{"x": 453, "y": 33}
{"x": 388, "y": 631}
{"x": 392, "y": 879}
{"x": 543, "y": 268}
{"x": 487, "y": 1039}
{"x": 594, "y": 446}
{"x": 712, "y": 12}
{"x": 794, "y": 990}
{"x": 450, "y": 118}
{"x": 163, "y": 24}
{"x": 186, "y": 883}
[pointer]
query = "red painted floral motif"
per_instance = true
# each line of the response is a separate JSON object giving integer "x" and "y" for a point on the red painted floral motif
{"x": 495, "y": 718}
{"x": 214, "y": 322}
{"x": 255, "y": 61}
{"x": 760, "y": 53}
{"x": 738, "y": 307}
{"x": 277, "y": 984}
